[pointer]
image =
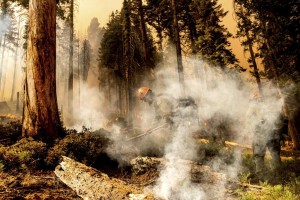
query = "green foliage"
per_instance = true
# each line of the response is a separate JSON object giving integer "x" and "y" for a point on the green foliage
{"x": 274, "y": 27}
{"x": 85, "y": 147}
{"x": 26, "y": 152}
{"x": 247, "y": 163}
{"x": 212, "y": 42}
{"x": 112, "y": 44}
{"x": 290, "y": 191}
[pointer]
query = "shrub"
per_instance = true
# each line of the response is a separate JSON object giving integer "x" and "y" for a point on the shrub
{"x": 26, "y": 152}
{"x": 85, "y": 147}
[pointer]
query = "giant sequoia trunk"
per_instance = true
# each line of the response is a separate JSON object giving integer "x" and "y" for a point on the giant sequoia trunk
{"x": 40, "y": 114}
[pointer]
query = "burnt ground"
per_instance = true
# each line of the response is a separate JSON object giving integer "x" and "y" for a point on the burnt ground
{"x": 44, "y": 185}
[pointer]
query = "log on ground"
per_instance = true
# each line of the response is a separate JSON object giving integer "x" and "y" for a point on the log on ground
{"x": 91, "y": 184}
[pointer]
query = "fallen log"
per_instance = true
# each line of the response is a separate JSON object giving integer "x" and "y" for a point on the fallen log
{"x": 91, "y": 184}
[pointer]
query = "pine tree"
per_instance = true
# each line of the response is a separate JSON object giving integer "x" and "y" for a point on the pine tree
{"x": 212, "y": 43}
{"x": 248, "y": 32}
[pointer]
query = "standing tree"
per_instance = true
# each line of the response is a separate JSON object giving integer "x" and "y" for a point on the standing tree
{"x": 70, "y": 21}
{"x": 248, "y": 29}
{"x": 85, "y": 59}
{"x": 144, "y": 36}
{"x": 111, "y": 58}
{"x": 278, "y": 46}
{"x": 177, "y": 42}
{"x": 212, "y": 43}
{"x": 40, "y": 115}
{"x": 128, "y": 57}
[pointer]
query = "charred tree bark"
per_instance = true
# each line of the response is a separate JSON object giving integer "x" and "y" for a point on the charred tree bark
{"x": 40, "y": 114}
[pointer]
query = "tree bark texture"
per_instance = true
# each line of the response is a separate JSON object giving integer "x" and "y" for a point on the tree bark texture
{"x": 40, "y": 114}
{"x": 93, "y": 185}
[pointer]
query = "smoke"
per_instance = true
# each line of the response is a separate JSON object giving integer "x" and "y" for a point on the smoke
{"x": 89, "y": 109}
{"x": 225, "y": 109}
{"x": 9, "y": 59}
{"x": 174, "y": 181}
{"x": 4, "y": 24}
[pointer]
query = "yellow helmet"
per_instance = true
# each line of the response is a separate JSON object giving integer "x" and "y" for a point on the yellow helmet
{"x": 142, "y": 92}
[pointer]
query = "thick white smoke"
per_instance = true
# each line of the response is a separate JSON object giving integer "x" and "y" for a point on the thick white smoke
{"x": 89, "y": 109}
{"x": 224, "y": 107}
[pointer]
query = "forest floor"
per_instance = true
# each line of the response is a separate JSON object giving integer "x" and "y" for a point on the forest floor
{"x": 44, "y": 185}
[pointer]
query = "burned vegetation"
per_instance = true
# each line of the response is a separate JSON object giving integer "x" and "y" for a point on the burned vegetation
{"x": 81, "y": 165}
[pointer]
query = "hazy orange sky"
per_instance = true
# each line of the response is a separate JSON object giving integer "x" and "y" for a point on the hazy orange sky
{"x": 103, "y": 8}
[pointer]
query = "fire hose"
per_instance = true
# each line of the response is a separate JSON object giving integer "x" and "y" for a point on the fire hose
{"x": 147, "y": 132}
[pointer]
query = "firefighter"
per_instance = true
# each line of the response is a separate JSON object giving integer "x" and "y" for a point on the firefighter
{"x": 267, "y": 135}
{"x": 163, "y": 104}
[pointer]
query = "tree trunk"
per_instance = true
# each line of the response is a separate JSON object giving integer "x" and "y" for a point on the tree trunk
{"x": 120, "y": 96}
{"x": 256, "y": 74}
{"x": 144, "y": 35}
{"x": 128, "y": 63}
{"x": 194, "y": 52}
{"x": 40, "y": 114}
{"x": 177, "y": 43}
{"x": 71, "y": 75}
{"x": 15, "y": 66}
{"x": 294, "y": 128}
{"x": 4, "y": 72}
{"x": 2, "y": 57}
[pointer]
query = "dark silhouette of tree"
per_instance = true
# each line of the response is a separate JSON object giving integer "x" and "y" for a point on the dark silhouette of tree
{"x": 85, "y": 59}
{"x": 278, "y": 47}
